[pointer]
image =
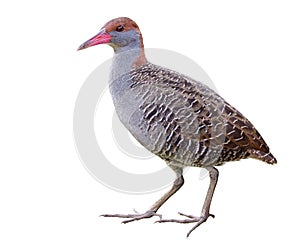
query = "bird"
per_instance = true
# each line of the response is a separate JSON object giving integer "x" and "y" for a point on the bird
{"x": 181, "y": 120}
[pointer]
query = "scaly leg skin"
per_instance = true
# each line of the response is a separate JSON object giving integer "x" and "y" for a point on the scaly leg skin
{"x": 152, "y": 211}
{"x": 213, "y": 174}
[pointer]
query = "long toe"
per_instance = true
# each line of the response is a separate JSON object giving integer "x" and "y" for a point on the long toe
{"x": 201, "y": 220}
{"x": 133, "y": 217}
{"x": 189, "y": 219}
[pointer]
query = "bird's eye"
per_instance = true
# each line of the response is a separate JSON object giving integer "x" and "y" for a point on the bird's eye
{"x": 120, "y": 28}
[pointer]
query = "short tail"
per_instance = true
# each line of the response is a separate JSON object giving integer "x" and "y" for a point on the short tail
{"x": 265, "y": 157}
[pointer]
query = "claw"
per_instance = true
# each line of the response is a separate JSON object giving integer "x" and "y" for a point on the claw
{"x": 135, "y": 211}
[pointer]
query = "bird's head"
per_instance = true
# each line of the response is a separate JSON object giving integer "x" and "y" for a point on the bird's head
{"x": 120, "y": 33}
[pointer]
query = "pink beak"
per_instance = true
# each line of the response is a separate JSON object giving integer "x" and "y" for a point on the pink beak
{"x": 100, "y": 38}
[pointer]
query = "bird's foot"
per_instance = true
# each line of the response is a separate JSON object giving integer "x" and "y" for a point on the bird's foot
{"x": 189, "y": 219}
{"x": 133, "y": 217}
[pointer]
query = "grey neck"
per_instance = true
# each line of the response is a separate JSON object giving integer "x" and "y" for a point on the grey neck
{"x": 129, "y": 47}
{"x": 123, "y": 61}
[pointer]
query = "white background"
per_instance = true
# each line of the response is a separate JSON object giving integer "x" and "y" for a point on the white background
{"x": 250, "y": 49}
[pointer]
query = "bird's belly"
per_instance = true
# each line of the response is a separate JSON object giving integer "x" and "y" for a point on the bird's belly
{"x": 170, "y": 144}
{"x": 170, "y": 138}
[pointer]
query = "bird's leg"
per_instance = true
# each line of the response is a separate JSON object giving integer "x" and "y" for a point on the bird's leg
{"x": 213, "y": 174}
{"x": 152, "y": 211}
